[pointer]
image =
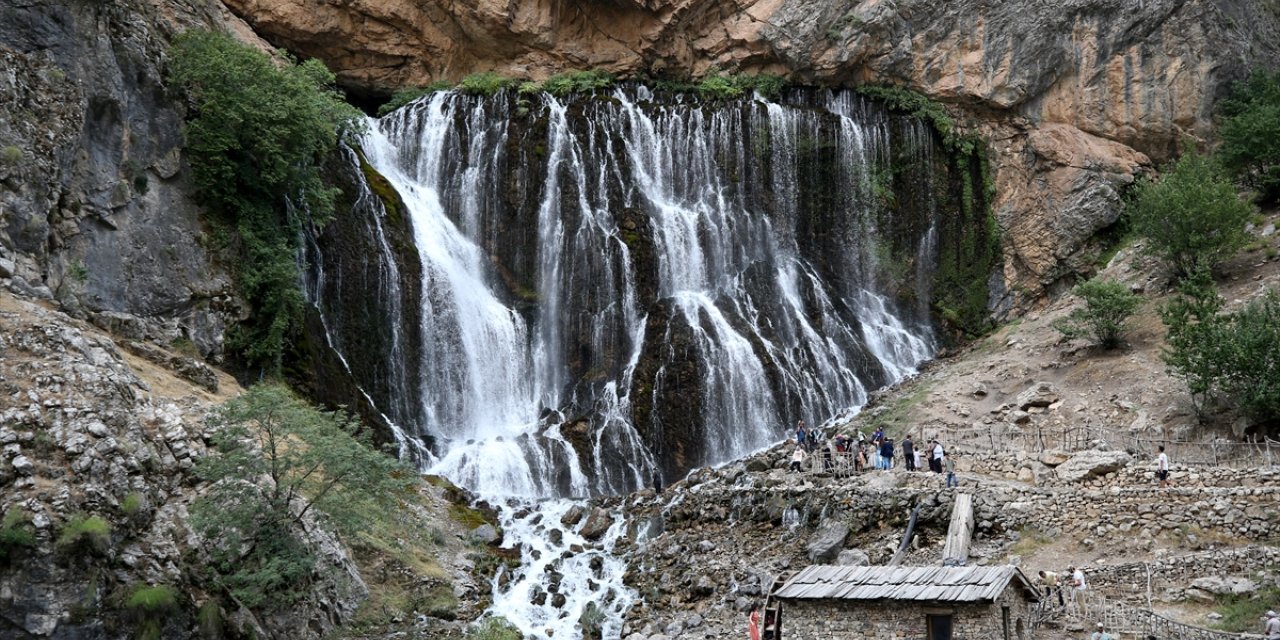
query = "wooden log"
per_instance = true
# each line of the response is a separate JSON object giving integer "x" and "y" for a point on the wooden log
{"x": 960, "y": 533}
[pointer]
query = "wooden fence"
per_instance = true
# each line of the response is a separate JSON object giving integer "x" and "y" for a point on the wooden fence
{"x": 1263, "y": 452}
{"x": 1123, "y": 621}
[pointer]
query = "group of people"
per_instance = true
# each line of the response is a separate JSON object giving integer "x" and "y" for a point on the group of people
{"x": 878, "y": 452}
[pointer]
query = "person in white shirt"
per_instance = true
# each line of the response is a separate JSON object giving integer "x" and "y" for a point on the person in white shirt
{"x": 1101, "y": 634}
{"x": 1272, "y": 628}
{"x": 935, "y": 458}
{"x": 797, "y": 458}
{"x": 1078, "y": 588}
{"x": 1162, "y": 468}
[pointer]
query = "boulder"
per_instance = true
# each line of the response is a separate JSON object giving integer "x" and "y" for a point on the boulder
{"x": 597, "y": 524}
{"x": 1054, "y": 458}
{"x": 573, "y": 516}
{"x": 484, "y": 534}
{"x": 1088, "y": 464}
{"x": 1041, "y": 395}
{"x": 1225, "y": 585}
{"x": 757, "y": 465}
{"x": 853, "y": 558}
{"x": 827, "y": 541}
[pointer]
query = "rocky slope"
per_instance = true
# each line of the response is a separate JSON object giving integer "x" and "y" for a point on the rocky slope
{"x": 96, "y": 426}
{"x": 1072, "y": 97}
{"x": 1057, "y": 451}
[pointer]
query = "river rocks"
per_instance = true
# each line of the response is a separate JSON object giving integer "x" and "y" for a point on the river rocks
{"x": 1087, "y": 464}
{"x": 573, "y": 516}
{"x": 827, "y": 541}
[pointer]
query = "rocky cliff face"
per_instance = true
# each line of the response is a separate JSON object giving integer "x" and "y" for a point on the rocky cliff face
{"x": 1073, "y": 96}
{"x": 96, "y": 208}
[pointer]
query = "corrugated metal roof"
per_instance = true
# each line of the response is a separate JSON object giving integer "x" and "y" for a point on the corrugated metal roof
{"x": 925, "y": 584}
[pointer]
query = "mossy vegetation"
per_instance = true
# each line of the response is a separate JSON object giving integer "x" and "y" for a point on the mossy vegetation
{"x": 564, "y": 84}
{"x": 381, "y": 187}
{"x": 485, "y": 83}
{"x": 1242, "y": 613}
{"x": 85, "y": 535}
{"x": 17, "y": 536}
{"x": 409, "y": 94}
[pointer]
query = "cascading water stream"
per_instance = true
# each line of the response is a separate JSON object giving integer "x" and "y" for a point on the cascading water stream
{"x": 608, "y": 281}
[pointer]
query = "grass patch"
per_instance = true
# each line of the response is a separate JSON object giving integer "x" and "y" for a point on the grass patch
{"x": 892, "y": 418}
{"x": 485, "y": 83}
{"x": 152, "y": 600}
{"x": 468, "y": 517}
{"x": 1241, "y": 613}
{"x": 496, "y": 628}
{"x": 131, "y": 505}
{"x": 1030, "y": 539}
{"x": 16, "y": 536}
{"x": 85, "y": 535}
{"x": 10, "y": 155}
{"x": 563, "y": 84}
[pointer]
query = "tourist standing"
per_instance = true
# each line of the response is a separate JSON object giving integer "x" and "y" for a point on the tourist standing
{"x": 1271, "y": 628}
{"x": 1162, "y": 468}
{"x": 800, "y": 433}
{"x": 886, "y": 454}
{"x": 797, "y": 458}
{"x": 935, "y": 458}
{"x": 1078, "y": 588}
{"x": 909, "y": 453}
{"x": 951, "y": 471}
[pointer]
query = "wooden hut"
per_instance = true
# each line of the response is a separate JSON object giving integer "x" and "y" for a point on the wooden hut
{"x": 904, "y": 603}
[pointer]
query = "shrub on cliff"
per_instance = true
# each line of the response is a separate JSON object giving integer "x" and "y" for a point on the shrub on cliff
{"x": 17, "y": 536}
{"x": 1191, "y": 216}
{"x": 1250, "y": 132}
{"x": 258, "y": 131}
{"x": 1233, "y": 357}
{"x": 1107, "y": 305}
{"x": 276, "y": 461}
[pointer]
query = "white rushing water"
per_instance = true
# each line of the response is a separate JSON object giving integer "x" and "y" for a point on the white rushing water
{"x": 528, "y": 397}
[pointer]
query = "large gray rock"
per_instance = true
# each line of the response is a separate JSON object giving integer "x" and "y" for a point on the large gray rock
{"x": 827, "y": 541}
{"x": 596, "y": 525}
{"x": 1040, "y": 395}
{"x": 1088, "y": 464}
{"x": 1225, "y": 585}
{"x": 853, "y": 558}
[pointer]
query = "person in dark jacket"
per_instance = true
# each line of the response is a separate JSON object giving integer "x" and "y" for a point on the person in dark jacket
{"x": 909, "y": 453}
{"x": 886, "y": 454}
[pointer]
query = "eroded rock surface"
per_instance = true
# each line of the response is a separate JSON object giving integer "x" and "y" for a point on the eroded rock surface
{"x": 1073, "y": 97}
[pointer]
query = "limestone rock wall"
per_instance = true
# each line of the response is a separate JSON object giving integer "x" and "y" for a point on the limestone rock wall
{"x": 96, "y": 205}
{"x": 1073, "y": 96}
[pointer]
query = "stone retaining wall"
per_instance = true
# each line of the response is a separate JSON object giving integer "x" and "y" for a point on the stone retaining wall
{"x": 894, "y": 620}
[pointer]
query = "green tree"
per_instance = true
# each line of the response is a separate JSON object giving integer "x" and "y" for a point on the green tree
{"x": 1250, "y": 133}
{"x": 258, "y": 131}
{"x": 1233, "y": 356}
{"x": 1107, "y": 305}
{"x": 276, "y": 461}
{"x": 1192, "y": 216}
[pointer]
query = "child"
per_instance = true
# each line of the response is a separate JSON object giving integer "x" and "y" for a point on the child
{"x": 950, "y": 465}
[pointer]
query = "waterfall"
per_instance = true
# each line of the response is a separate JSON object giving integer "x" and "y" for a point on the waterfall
{"x": 606, "y": 281}
{"x": 606, "y": 288}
